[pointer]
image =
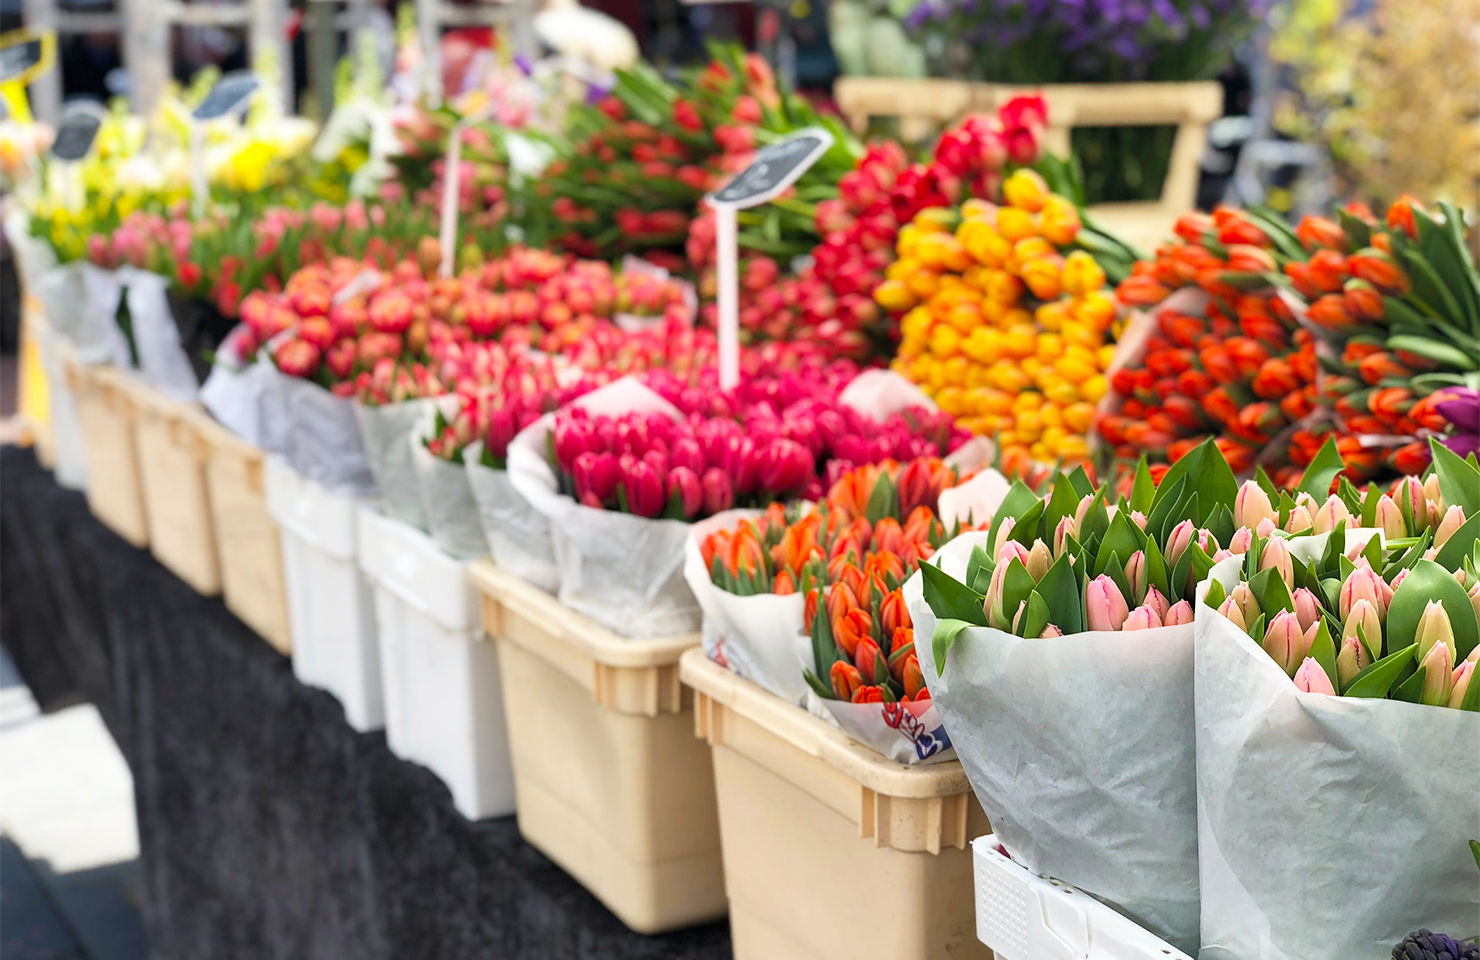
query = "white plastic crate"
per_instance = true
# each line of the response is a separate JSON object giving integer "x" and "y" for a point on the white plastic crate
{"x": 444, "y": 702}
{"x": 1026, "y": 917}
{"x": 66, "y": 429}
{"x": 331, "y": 607}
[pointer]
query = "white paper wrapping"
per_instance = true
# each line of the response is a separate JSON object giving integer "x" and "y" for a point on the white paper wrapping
{"x": 1329, "y": 828}
{"x": 906, "y": 733}
{"x": 33, "y": 255}
{"x": 233, "y": 390}
{"x": 515, "y": 532}
{"x": 452, "y": 516}
{"x": 81, "y": 302}
{"x": 162, "y": 360}
{"x": 66, "y": 429}
{"x": 754, "y": 636}
{"x": 383, "y": 431}
{"x": 976, "y": 500}
{"x": 314, "y": 431}
{"x": 882, "y": 393}
{"x": 1080, "y": 749}
{"x": 624, "y": 571}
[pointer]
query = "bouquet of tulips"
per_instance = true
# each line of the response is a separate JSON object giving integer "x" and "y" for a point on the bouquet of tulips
{"x": 1321, "y": 666}
{"x": 1001, "y": 327}
{"x": 1060, "y": 656}
{"x": 759, "y": 579}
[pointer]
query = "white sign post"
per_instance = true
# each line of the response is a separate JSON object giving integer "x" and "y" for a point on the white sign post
{"x": 231, "y": 94}
{"x": 774, "y": 168}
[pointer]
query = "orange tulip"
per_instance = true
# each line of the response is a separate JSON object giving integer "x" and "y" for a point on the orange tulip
{"x": 914, "y": 680}
{"x": 784, "y": 585}
{"x": 846, "y": 680}
{"x": 868, "y": 694}
{"x": 1330, "y": 312}
{"x": 798, "y": 545}
{"x": 746, "y": 557}
{"x": 894, "y": 614}
{"x": 809, "y": 607}
{"x": 1142, "y": 291}
{"x": 1328, "y": 270}
{"x": 866, "y": 658}
{"x": 888, "y": 535}
{"x": 1379, "y": 269}
{"x": 849, "y": 495}
{"x": 885, "y": 565}
{"x": 1400, "y": 215}
{"x": 851, "y": 628}
{"x": 1376, "y": 367}
{"x": 840, "y": 599}
{"x": 1315, "y": 232}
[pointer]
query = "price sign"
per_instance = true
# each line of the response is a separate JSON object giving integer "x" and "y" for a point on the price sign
{"x": 229, "y": 95}
{"x": 774, "y": 168}
{"x": 76, "y": 134}
{"x": 24, "y": 56}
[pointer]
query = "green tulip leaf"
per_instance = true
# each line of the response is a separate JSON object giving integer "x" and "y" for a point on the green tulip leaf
{"x": 1061, "y": 503}
{"x": 943, "y": 638}
{"x": 1317, "y": 478}
{"x": 1323, "y": 651}
{"x": 1427, "y": 581}
{"x": 1358, "y": 233}
{"x": 1410, "y": 556}
{"x": 1059, "y": 589}
{"x": 1156, "y": 570}
{"x": 1471, "y": 702}
{"x": 1452, "y": 554}
{"x": 1163, "y": 515}
{"x": 1096, "y": 522}
{"x": 1331, "y": 592}
{"x": 1274, "y": 595}
{"x": 1035, "y": 617}
{"x": 1370, "y": 496}
{"x": 1409, "y": 689}
{"x": 1120, "y": 540}
{"x": 1458, "y": 481}
{"x": 883, "y": 501}
{"x": 1216, "y": 595}
{"x": 1266, "y": 484}
{"x": 949, "y": 598}
{"x": 1475, "y": 844}
{"x": 1378, "y": 678}
{"x": 1256, "y": 629}
{"x": 1017, "y": 584}
{"x": 1144, "y": 491}
{"x": 1025, "y": 530}
{"x": 1079, "y": 480}
{"x": 1018, "y": 499}
{"x": 1335, "y": 547}
{"x": 823, "y": 690}
{"x": 1220, "y": 524}
{"x": 979, "y": 561}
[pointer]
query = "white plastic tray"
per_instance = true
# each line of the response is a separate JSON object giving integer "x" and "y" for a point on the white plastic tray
{"x": 1026, "y": 917}
{"x": 331, "y": 608}
{"x": 444, "y": 702}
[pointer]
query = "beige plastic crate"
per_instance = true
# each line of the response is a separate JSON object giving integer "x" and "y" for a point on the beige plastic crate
{"x": 610, "y": 782}
{"x": 249, "y": 552}
{"x": 926, "y": 104}
{"x": 172, "y": 469}
{"x": 831, "y": 851}
{"x": 106, "y": 409}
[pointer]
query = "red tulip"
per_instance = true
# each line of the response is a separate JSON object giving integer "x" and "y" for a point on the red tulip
{"x": 719, "y": 494}
{"x": 595, "y": 474}
{"x": 685, "y": 490}
{"x": 296, "y": 358}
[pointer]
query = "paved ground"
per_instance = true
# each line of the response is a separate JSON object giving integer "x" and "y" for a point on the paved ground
{"x": 68, "y": 845}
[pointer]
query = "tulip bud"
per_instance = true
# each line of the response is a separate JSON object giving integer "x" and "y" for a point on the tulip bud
{"x": 573, "y": 437}
{"x": 1460, "y": 682}
{"x": 595, "y": 474}
{"x": 1307, "y": 608}
{"x": 683, "y": 485}
{"x": 1222, "y": 555}
{"x": 1363, "y": 616}
{"x": 1207, "y": 541}
{"x": 643, "y": 489}
{"x": 1179, "y": 540}
{"x": 845, "y": 679}
{"x": 992, "y": 603}
{"x": 1454, "y": 518}
{"x": 1178, "y": 614}
{"x": 1408, "y": 494}
{"x": 1142, "y": 618}
{"x": 1363, "y": 583}
{"x": 719, "y": 495}
{"x": 1432, "y": 493}
{"x": 1276, "y": 556}
{"x": 1475, "y": 602}
{"x": 1390, "y": 518}
{"x": 1437, "y": 668}
{"x": 1135, "y": 574}
{"x": 1300, "y": 520}
{"x": 1311, "y": 678}
{"x": 1252, "y": 505}
{"x": 1050, "y": 631}
{"x": 1004, "y": 535}
{"x": 1230, "y": 609}
{"x": 1012, "y": 550}
{"x": 1285, "y": 642}
{"x": 1241, "y": 541}
{"x": 1352, "y": 660}
{"x": 1080, "y": 511}
{"x": 1248, "y": 604}
{"x": 1434, "y": 628}
{"x": 1039, "y": 560}
{"x": 1105, "y": 604}
{"x": 1139, "y": 519}
{"x": 1332, "y": 512}
{"x": 1157, "y": 602}
{"x": 1061, "y": 534}
{"x": 1266, "y": 528}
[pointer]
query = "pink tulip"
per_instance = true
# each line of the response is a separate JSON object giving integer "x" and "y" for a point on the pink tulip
{"x": 1139, "y": 519}
{"x": 1012, "y": 550}
{"x": 643, "y": 489}
{"x": 1307, "y": 608}
{"x": 1352, "y": 660}
{"x": 296, "y": 358}
{"x": 1276, "y": 556}
{"x": 686, "y": 452}
{"x": 1050, "y": 631}
{"x": 1105, "y": 604}
{"x": 1179, "y": 540}
{"x": 1363, "y": 621}
{"x": 1311, "y": 678}
{"x": 1434, "y": 627}
{"x": 1460, "y": 682}
{"x": 1039, "y": 560}
{"x": 685, "y": 489}
{"x": 992, "y": 603}
{"x": 719, "y": 494}
{"x": 1453, "y": 519}
{"x": 1143, "y": 617}
{"x": 1135, "y": 575}
{"x": 1061, "y": 534}
{"x": 1241, "y": 541}
{"x": 1178, "y": 614}
{"x": 742, "y": 462}
{"x": 595, "y": 474}
{"x": 503, "y": 426}
{"x": 1157, "y": 602}
{"x": 1300, "y": 520}
{"x": 1332, "y": 512}
{"x": 1285, "y": 642}
{"x": 1408, "y": 495}
{"x": 1247, "y": 602}
{"x": 1438, "y": 675}
{"x": 1252, "y": 505}
{"x": 1362, "y": 584}
{"x": 786, "y": 466}
{"x": 1234, "y": 614}
{"x": 1390, "y": 518}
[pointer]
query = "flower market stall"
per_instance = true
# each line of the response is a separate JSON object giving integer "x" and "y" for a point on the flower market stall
{"x": 907, "y": 558}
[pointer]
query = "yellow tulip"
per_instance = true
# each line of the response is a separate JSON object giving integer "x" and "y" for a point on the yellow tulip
{"x": 1082, "y": 274}
{"x": 1094, "y": 388}
{"x": 1078, "y": 416}
{"x": 894, "y": 295}
{"x": 1025, "y": 190}
{"x": 1044, "y": 277}
{"x": 1060, "y": 221}
{"x": 1015, "y": 224}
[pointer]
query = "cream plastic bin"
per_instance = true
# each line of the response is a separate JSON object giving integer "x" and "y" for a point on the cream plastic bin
{"x": 106, "y": 410}
{"x": 1026, "y": 917}
{"x": 612, "y": 784}
{"x": 331, "y": 607}
{"x": 250, "y": 557}
{"x": 833, "y": 852}
{"x": 444, "y": 705}
{"x": 172, "y": 471}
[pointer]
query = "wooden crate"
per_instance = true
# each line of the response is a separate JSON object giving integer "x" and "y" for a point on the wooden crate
{"x": 106, "y": 410}
{"x": 922, "y": 105}
{"x": 172, "y": 469}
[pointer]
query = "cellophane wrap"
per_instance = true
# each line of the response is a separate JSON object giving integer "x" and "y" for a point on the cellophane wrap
{"x": 517, "y": 535}
{"x": 1081, "y": 751}
{"x": 1329, "y": 828}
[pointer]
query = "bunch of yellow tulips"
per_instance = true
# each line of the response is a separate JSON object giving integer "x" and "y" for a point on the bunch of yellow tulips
{"x": 1004, "y": 330}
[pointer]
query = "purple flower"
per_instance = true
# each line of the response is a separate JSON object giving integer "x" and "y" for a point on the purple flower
{"x": 1461, "y": 407}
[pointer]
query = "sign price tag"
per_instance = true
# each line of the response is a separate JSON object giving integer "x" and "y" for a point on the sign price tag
{"x": 229, "y": 95}
{"x": 78, "y": 130}
{"x": 774, "y": 168}
{"x": 24, "y": 56}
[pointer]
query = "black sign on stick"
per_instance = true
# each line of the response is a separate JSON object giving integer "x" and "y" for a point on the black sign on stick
{"x": 228, "y": 95}
{"x": 20, "y": 60}
{"x": 774, "y": 169}
{"x": 76, "y": 135}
